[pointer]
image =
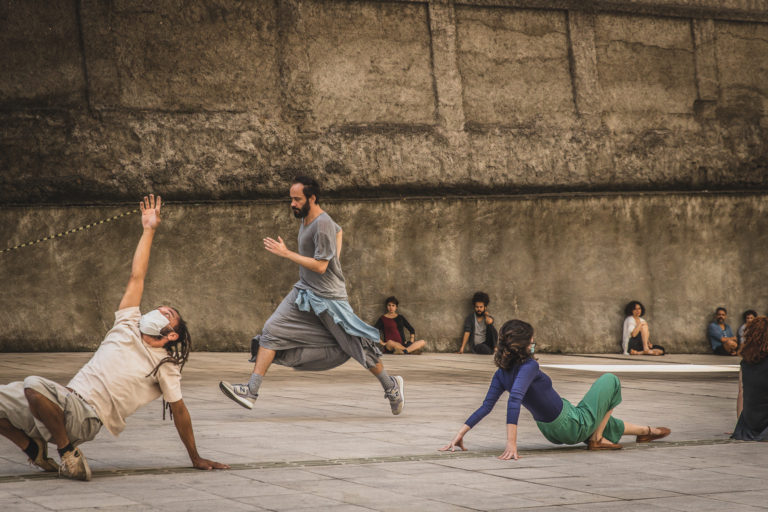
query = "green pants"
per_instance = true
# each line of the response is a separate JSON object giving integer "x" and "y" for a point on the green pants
{"x": 575, "y": 424}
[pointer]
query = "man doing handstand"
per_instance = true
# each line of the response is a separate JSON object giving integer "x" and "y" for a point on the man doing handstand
{"x": 140, "y": 359}
{"x": 314, "y": 328}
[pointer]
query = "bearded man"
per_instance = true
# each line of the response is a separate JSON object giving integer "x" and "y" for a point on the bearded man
{"x": 314, "y": 328}
{"x": 478, "y": 327}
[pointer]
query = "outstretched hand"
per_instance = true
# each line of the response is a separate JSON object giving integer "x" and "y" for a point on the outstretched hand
{"x": 457, "y": 442}
{"x": 207, "y": 465}
{"x": 150, "y": 211}
{"x": 276, "y": 246}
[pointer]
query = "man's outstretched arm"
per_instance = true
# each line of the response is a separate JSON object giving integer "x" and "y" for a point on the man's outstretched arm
{"x": 183, "y": 423}
{"x": 150, "y": 220}
{"x": 278, "y": 247}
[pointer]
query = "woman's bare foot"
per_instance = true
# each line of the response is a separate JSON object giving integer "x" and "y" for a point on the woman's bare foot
{"x": 602, "y": 444}
{"x": 652, "y": 352}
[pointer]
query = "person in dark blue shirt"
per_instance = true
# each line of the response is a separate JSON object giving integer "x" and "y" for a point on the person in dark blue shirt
{"x": 561, "y": 423}
{"x": 720, "y": 335}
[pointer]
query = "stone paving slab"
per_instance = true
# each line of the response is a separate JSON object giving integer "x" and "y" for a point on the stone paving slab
{"x": 327, "y": 441}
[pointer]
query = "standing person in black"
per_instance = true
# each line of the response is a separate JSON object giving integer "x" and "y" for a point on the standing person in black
{"x": 391, "y": 326}
{"x": 752, "y": 403}
{"x": 478, "y": 327}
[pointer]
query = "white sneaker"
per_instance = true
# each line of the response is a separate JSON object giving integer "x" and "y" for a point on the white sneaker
{"x": 396, "y": 395}
{"x": 74, "y": 465}
{"x": 240, "y": 393}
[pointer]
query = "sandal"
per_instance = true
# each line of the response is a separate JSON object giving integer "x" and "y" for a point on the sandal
{"x": 647, "y": 438}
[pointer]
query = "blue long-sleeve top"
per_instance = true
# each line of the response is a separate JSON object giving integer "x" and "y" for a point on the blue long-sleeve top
{"x": 527, "y": 385}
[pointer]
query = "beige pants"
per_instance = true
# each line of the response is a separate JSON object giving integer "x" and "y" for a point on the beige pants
{"x": 80, "y": 419}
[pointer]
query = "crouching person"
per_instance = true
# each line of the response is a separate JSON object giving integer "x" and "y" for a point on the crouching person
{"x": 139, "y": 360}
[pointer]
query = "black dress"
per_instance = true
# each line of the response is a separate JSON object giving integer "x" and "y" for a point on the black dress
{"x": 753, "y": 422}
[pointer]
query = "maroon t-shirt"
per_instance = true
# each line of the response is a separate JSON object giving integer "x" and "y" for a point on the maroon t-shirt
{"x": 390, "y": 329}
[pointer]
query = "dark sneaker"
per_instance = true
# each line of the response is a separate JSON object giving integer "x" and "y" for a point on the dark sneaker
{"x": 74, "y": 465}
{"x": 42, "y": 460}
{"x": 240, "y": 393}
{"x": 396, "y": 395}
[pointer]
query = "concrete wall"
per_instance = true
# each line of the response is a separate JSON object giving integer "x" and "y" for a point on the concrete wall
{"x": 567, "y": 264}
{"x": 223, "y": 99}
{"x": 426, "y": 102}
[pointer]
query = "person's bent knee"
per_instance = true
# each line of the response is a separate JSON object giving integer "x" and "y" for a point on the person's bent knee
{"x": 34, "y": 382}
{"x": 610, "y": 378}
{"x": 32, "y": 387}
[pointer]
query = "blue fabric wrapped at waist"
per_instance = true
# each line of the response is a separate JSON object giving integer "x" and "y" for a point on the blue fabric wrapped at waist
{"x": 340, "y": 311}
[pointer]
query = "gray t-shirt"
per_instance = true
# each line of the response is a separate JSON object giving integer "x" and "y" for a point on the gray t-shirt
{"x": 480, "y": 324}
{"x": 318, "y": 241}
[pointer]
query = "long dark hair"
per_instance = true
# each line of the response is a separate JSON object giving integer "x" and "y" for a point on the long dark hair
{"x": 755, "y": 347}
{"x": 178, "y": 350}
{"x": 514, "y": 339}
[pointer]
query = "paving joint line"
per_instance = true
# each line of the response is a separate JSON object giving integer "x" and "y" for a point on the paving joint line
{"x": 363, "y": 460}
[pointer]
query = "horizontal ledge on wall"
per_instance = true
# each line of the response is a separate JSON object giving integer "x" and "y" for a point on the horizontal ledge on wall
{"x": 335, "y": 199}
{"x": 732, "y": 10}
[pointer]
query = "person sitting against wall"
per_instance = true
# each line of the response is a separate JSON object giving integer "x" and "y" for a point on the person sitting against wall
{"x": 636, "y": 336}
{"x": 591, "y": 421}
{"x": 391, "y": 326}
{"x": 752, "y": 401}
{"x": 748, "y": 316}
{"x": 479, "y": 328}
{"x": 720, "y": 335}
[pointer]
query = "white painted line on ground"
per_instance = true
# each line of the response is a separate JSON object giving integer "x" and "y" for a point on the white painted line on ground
{"x": 647, "y": 368}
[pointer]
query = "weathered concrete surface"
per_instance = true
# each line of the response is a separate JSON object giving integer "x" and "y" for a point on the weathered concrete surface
{"x": 567, "y": 264}
{"x": 505, "y": 55}
{"x": 226, "y": 99}
{"x": 101, "y": 102}
{"x": 327, "y": 442}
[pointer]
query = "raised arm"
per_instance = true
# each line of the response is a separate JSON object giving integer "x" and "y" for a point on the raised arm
{"x": 150, "y": 220}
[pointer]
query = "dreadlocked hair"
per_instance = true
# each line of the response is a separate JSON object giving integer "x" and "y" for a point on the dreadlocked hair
{"x": 178, "y": 350}
{"x": 755, "y": 347}
{"x": 514, "y": 338}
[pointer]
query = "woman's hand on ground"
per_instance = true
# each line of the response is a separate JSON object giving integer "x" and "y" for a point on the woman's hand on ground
{"x": 457, "y": 442}
{"x": 509, "y": 453}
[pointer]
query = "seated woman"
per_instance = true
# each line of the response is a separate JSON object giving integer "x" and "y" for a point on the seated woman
{"x": 752, "y": 403}
{"x": 636, "y": 337}
{"x": 561, "y": 423}
{"x": 748, "y": 316}
{"x": 392, "y": 327}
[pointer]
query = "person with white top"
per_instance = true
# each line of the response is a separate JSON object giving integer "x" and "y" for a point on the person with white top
{"x": 636, "y": 336}
{"x": 139, "y": 360}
